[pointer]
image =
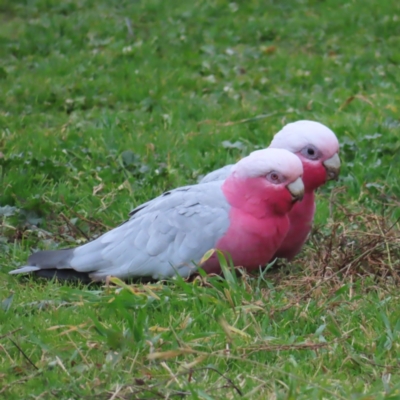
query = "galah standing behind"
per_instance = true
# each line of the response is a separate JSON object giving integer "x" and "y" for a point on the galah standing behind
{"x": 317, "y": 147}
{"x": 246, "y": 215}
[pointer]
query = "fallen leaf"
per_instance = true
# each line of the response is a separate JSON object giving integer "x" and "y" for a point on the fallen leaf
{"x": 169, "y": 354}
{"x": 268, "y": 50}
{"x": 207, "y": 255}
{"x": 98, "y": 188}
{"x": 158, "y": 329}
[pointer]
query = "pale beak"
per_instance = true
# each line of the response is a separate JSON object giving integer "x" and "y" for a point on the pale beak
{"x": 332, "y": 166}
{"x": 296, "y": 189}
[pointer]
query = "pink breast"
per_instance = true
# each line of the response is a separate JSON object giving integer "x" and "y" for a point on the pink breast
{"x": 250, "y": 241}
{"x": 301, "y": 217}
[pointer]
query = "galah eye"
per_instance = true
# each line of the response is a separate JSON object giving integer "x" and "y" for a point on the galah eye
{"x": 275, "y": 177}
{"x": 310, "y": 152}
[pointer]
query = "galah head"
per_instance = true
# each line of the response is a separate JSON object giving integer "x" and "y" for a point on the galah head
{"x": 316, "y": 146}
{"x": 269, "y": 177}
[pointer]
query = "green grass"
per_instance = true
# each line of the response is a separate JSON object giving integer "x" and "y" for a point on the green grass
{"x": 105, "y": 104}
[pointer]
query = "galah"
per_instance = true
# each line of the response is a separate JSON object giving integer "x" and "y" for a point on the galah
{"x": 318, "y": 149}
{"x": 245, "y": 216}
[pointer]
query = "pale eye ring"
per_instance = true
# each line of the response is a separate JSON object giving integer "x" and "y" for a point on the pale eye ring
{"x": 310, "y": 152}
{"x": 275, "y": 177}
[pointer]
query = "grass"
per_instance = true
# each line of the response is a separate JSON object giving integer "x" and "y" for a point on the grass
{"x": 105, "y": 104}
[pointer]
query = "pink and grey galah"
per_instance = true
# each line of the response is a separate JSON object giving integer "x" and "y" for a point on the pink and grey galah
{"x": 318, "y": 149}
{"x": 245, "y": 215}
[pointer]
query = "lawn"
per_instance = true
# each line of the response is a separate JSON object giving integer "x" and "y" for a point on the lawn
{"x": 106, "y": 104}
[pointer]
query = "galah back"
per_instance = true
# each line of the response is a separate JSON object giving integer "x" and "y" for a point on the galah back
{"x": 245, "y": 215}
{"x": 318, "y": 149}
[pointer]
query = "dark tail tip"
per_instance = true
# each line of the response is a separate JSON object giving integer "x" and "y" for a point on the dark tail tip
{"x": 64, "y": 275}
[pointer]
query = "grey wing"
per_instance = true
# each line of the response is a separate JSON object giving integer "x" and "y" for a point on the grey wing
{"x": 170, "y": 236}
{"x": 214, "y": 176}
{"x": 156, "y": 200}
{"x": 217, "y": 175}
{"x": 165, "y": 238}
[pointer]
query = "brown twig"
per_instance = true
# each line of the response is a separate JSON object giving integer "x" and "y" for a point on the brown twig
{"x": 239, "y": 392}
{"x": 241, "y": 121}
{"x": 25, "y": 378}
{"x": 81, "y": 217}
{"x": 10, "y": 333}
{"x": 74, "y": 227}
{"x": 23, "y": 353}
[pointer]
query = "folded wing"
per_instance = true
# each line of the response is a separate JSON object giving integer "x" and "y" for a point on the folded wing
{"x": 167, "y": 236}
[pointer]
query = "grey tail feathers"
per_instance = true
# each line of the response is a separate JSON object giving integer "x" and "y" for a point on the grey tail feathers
{"x": 54, "y": 264}
{"x": 49, "y": 259}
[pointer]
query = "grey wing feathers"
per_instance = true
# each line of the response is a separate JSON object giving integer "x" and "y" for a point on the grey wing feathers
{"x": 157, "y": 199}
{"x": 217, "y": 175}
{"x": 214, "y": 176}
{"x": 169, "y": 233}
{"x": 162, "y": 238}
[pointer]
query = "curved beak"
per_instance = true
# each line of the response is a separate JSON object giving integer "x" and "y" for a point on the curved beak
{"x": 296, "y": 189}
{"x": 332, "y": 166}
